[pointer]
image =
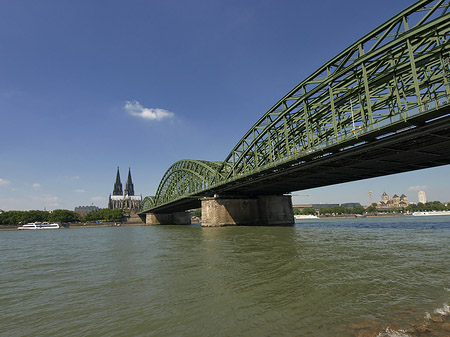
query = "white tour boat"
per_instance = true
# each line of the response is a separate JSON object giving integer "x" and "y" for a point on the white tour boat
{"x": 431, "y": 213}
{"x": 39, "y": 225}
{"x": 305, "y": 216}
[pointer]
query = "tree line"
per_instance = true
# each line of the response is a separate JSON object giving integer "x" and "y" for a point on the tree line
{"x": 59, "y": 216}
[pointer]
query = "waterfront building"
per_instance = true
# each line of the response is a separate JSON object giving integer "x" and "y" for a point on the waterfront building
{"x": 403, "y": 201}
{"x": 422, "y": 197}
{"x": 124, "y": 200}
{"x": 385, "y": 198}
{"x": 83, "y": 210}
{"x": 395, "y": 202}
{"x": 350, "y": 205}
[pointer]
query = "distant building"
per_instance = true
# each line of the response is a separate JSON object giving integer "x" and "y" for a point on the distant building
{"x": 83, "y": 210}
{"x": 403, "y": 201}
{"x": 351, "y": 204}
{"x": 125, "y": 200}
{"x": 422, "y": 197}
{"x": 395, "y": 202}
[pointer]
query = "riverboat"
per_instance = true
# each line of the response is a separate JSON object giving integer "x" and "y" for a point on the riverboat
{"x": 431, "y": 213}
{"x": 39, "y": 225}
{"x": 305, "y": 216}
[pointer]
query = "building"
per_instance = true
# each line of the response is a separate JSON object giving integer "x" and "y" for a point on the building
{"x": 395, "y": 202}
{"x": 350, "y": 205}
{"x": 83, "y": 210}
{"x": 126, "y": 199}
{"x": 422, "y": 197}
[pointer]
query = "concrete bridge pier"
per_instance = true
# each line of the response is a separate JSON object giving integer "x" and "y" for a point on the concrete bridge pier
{"x": 265, "y": 210}
{"x": 175, "y": 218}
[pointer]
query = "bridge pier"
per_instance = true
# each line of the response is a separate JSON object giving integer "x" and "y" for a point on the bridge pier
{"x": 265, "y": 210}
{"x": 175, "y": 218}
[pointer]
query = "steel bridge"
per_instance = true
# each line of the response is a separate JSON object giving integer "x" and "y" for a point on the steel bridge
{"x": 379, "y": 107}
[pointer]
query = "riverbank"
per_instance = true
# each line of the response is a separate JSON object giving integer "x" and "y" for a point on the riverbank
{"x": 81, "y": 225}
{"x": 135, "y": 222}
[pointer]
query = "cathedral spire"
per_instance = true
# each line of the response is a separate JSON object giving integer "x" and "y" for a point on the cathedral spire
{"x": 118, "y": 185}
{"x": 129, "y": 188}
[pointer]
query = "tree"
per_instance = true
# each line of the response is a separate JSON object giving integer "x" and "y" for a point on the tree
{"x": 358, "y": 210}
{"x": 105, "y": 215}
{"x": 63, "y": 215}
{"x": 22, "y": 217}
{"x": 371, "y": 209}
{"x": 309, "y": 211}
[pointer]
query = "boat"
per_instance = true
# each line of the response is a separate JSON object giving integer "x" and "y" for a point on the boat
{"x": 39, "y": 225}
{"x": 431, "y": 213}
{"x": 305, "y": 216}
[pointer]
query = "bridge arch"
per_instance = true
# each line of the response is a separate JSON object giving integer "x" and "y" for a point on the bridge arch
{"x": 185, "y": 178}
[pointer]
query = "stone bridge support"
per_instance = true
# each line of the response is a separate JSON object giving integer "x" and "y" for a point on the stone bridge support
{"x": 175, "y": 218}
{"x": 266, "y": 210}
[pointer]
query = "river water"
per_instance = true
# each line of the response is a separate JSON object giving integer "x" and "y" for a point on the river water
{"x": 342, "y": 277}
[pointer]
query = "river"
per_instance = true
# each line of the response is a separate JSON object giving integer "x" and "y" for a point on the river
{"x": 342, "y": 277}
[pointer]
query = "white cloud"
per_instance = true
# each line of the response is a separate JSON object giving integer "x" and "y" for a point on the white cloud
{"x": 4, "y": 182}
{"x": 417, "y": 188}
{"x": 136, "y": 109}
{"x": 80, "y": 191}
{"x": 98, "y": 198}
{"x": 36, "y": 185}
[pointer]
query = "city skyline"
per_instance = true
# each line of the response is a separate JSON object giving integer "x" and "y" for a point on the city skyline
{"x": 87, "y": 87}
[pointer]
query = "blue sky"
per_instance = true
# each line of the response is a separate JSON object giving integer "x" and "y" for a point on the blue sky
{"x": 87, "y": 86}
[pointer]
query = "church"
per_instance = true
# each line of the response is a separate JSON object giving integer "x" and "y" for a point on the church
{"x": 126, "y": 200}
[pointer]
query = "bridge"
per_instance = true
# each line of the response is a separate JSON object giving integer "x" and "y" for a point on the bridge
{"x": 382, "y": 106}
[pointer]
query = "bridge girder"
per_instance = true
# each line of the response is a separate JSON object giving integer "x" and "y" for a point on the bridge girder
{"x": 383, "y": 77}
{"x": 382, "y": 82}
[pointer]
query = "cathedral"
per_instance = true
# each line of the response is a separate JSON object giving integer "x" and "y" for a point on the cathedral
{"x": 395, "y": 202}
{"x": 125, "y": 200}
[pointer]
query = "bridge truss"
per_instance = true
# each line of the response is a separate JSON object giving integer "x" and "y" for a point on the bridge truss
{"x": 385, "y": 84}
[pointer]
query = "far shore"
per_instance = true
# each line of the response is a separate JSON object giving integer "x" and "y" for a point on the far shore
{"x": 119, "y": 224}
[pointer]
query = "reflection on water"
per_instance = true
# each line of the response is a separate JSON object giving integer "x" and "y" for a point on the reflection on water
{"x": 351, "y": 277}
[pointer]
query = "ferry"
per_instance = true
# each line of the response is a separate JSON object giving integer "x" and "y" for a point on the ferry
{"x": 39, "y": 225}
{"x": 305, "y": 216}
{"x": 431, "y": 213}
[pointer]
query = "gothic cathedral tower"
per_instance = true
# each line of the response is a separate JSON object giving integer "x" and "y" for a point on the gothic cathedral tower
{"x": 127, "y": 200}
{"x": 129, "y": 188}
{"x": 118, "y": 185}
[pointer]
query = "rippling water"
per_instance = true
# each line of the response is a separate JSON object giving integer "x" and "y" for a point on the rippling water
{"x": 321, "y": 278}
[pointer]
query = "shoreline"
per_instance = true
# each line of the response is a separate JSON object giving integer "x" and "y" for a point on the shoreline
{"x": 118, "y": 224}
{"x": 81, "y": 225}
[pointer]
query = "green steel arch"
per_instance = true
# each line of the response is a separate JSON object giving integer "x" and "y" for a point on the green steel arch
{"x": 399, "y": 70}
{"x": 186, "y": 178}
{"x": 148, "y": 202}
